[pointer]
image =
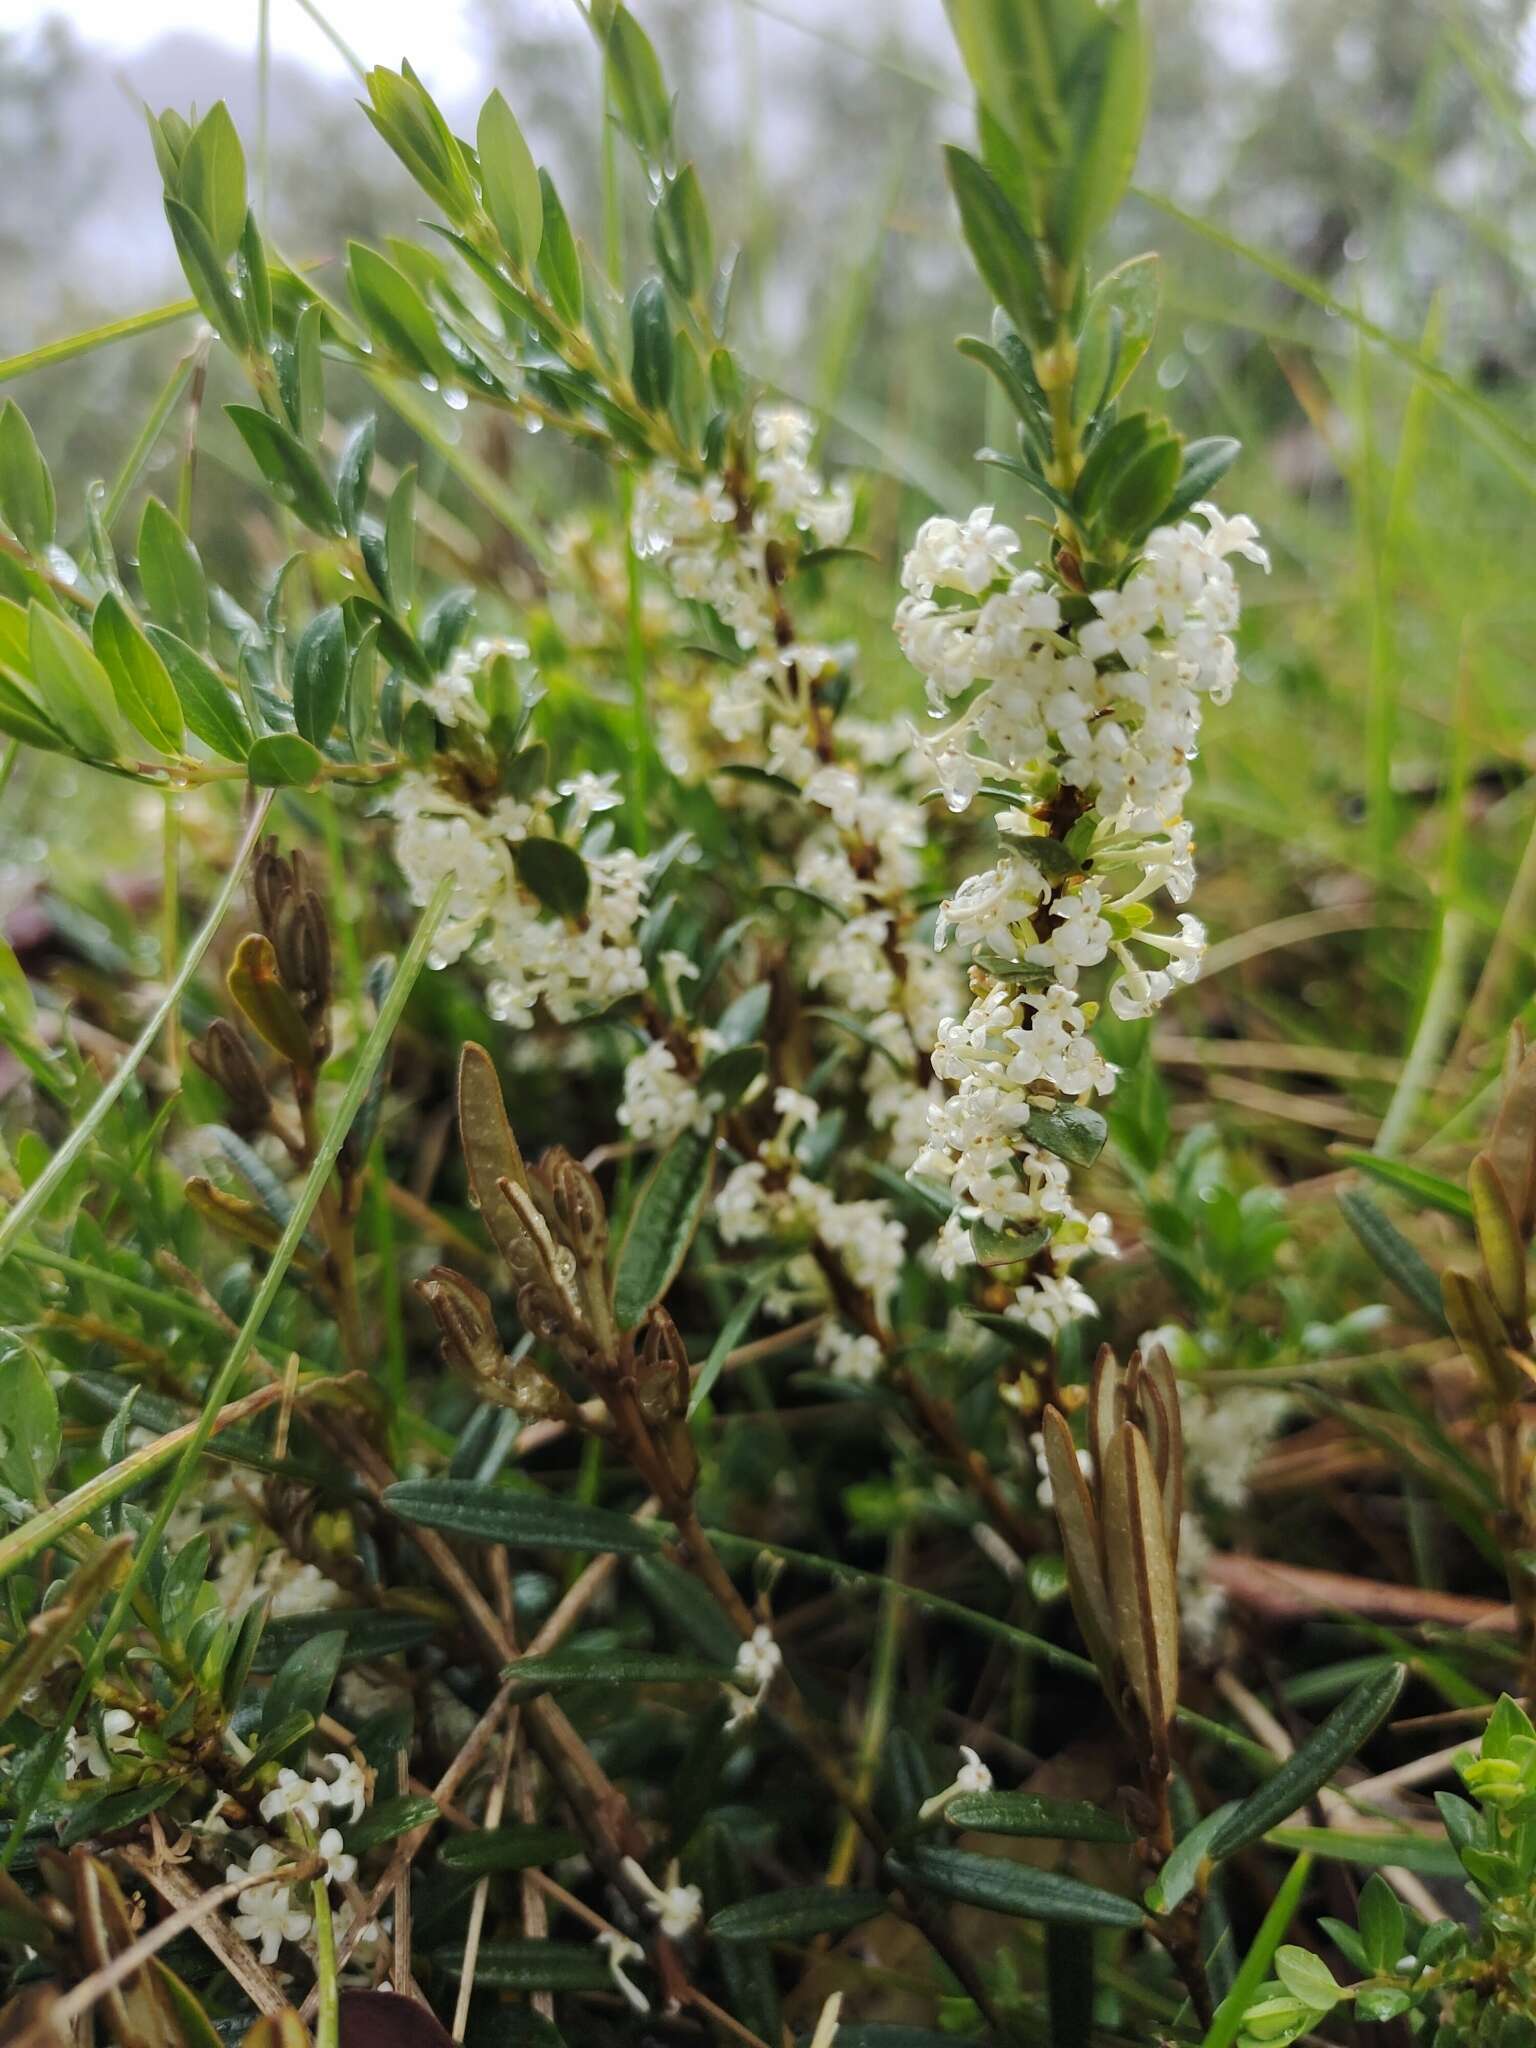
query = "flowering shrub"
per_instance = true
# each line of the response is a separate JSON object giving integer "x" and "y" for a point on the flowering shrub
{"x": 416, "y": 1563}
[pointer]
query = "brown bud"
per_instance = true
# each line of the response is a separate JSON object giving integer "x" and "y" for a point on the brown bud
{"x": 228, "y": 1061}
{"x": 577, "y": 1204}
{"x": 542, "y": 1313}
{"x": 661, "y": 1370}
{"x": 464, "y": 1321}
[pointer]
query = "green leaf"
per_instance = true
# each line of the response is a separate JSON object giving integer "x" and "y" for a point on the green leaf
{"x": 1118, "y": 326}
{"x": 213, "y": 713}
{"x": 387, "y": 1819}
{"x": 1351, "y": 1723}
{"x": 371, "y": 1632}
{"x": 527, "y": 1521}
{"x": 1177, "y": 1877}
{"x": 797, "y": 1913}
{"x": 508, "y": 1848}
{"x": 22, "y": 720}
{"x": 690, "y": 1607}
{"x": 26, "y": 488}
{"x": 211, "y": 180}
{"x": 533, "y": 1966}
{"x": 72, "y": 685}
{"x": 509, "y": 182}
{"x": 661, "y": 1225}
{"x": 1429, "y": 1853}
{"x": 681, "y": 234}
{"x": 301, "y": 376}
{"x": 1016, "y": 1888}
{"x": 394, "y": 312}
{"x": 255, "y": 281}
{"x": 18, "y": 1007}
{"x": 1383, "y": 1924}
{"x": 730, "y": 1335}
{"x": 171, "y": 573}
{"x": 553, "y": 872}
{"x": 288, "y": 467}
{"x": 354, "y": 469}
{"x": 1396, "y": 1257}
{"x": 408, "y": 118}
{"x": 1021, "y": 1813}
{"x": 205, "y": 273}
{"x": 1427, "y": 1190}
{"x": 1105, "y": 95}
{"x": 637, "y": 91}
{"x": 400, "y": 540}
{"x": 1381, "y": 2002}
{"x": 561, "y": 1668}
{"x": 146, "y": 696}
{"x": 651, "y": 354}
{"x": 559, "y": 258}
{"x": 113, "y": 1810}
{"x": 304, "y": 1680}
{"x": 1205, "y": 464}
{"x": 320, "y": 674}
{"x": 1307, "y": 1977}
{"x": 1003, "y": 248}
{"x": 1074, "y": 1134}
{"x": 284, "y": 760}
{"x": 30, "y": 1433}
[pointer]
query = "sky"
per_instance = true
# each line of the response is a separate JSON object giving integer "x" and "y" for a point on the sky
{"x": 380, "y": 31}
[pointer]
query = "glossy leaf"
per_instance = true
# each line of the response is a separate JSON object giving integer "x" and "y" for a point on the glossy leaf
{"x": 662, "y": 1223}
{"x": 797, "y": 1913}
{"x": 529, "y": 1521}
{"x": 213, "y": 713}
{"x": 26, "y": 488}
{"x": 1019, "y": 1889}
{"x": 1301, "y": 1776}
{"x": 509, "y": 182}
{"x": 146, "y": 696}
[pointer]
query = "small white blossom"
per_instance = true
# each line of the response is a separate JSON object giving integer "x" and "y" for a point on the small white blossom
{"x": 264, "y": 1914}
{"x": 292, "y": 1795}
{"x": 348, "y": 1787}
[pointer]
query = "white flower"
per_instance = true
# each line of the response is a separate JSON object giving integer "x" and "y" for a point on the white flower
{"x": 795, "y": 1107}
{"x": 622, "y": 1950}
{"x": 118, "y": 1737}
{"x": 851, "y": 1355}
{"x": 348, "y": 1787}
{"x": 960, "y": 557}
{"x": 1125, "y": 618}
{"x": 1048, "y": 1303}
{"x": 339, "y": 1866}
{"x": 292, "y": 1795}
{"x": 678, "y": 1908}
{"x": 972, "y": 1776}
{"x": 758, "y": 1661}
{"x": 264, "y": 1913}
{"x": 1235, "y": 536}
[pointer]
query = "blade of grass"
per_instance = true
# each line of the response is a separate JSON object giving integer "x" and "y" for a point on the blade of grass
{"x": 372, "y": 1052}
{"x": 1229, "y": 2014}
{"x": 47, "y": 353}
{"x": 1498, "y": 434}
{"x": 33, "y": 1202}
{"x": 139, "y": 453}
{"x": 45, "y": 1528}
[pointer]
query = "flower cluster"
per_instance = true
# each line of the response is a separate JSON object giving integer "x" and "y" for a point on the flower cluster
{"x": 572, "y": 963}
{"x": 1090, "y": 712}
{"x": 717, "y": 551}
{"x": 265, "y": 1913}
